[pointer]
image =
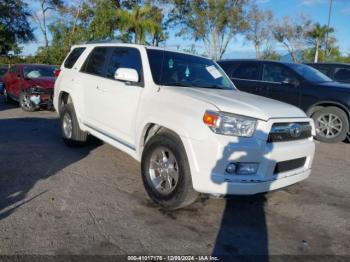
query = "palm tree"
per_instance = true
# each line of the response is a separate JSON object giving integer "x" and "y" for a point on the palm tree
{"x": 317, "y": 36}
{"x": 139, "y": 22}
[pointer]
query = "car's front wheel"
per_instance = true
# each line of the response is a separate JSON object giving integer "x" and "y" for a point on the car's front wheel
{"x": 71, "y": 132}
{"x": 332, "y": 125}
{"x": 25, "y": 103}
{"x": 166, "y": 173}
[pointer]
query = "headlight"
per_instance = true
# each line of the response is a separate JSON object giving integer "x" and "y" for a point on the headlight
{"x": 229, "y": 124}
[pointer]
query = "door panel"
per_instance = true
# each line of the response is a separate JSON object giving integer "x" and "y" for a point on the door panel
{"x": 246, "y": 77}
{"x": 281, "y": 83}
{"x": 111, "y": 105}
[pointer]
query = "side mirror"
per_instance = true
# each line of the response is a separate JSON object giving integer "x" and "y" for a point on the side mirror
{"x": 126, "y": 75}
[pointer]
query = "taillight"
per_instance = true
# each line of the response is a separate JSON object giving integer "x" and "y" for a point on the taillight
{"x": 57, "y": 72}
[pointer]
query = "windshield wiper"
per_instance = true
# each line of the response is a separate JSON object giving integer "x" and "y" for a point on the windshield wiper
{"x": 174, "y": 84}
{"x": 214, "y": 87}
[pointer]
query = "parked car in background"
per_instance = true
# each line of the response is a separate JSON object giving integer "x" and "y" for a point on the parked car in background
{"x": 30, "y": 85}
{"x": 3, "y": 70}
{"x": 337, "y": 71}
{"x": 326, "y": 101}
{"x": 181, "y": 116}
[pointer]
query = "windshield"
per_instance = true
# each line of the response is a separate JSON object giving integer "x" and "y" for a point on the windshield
{"x": 309, "y": 73}
{"x": 38, "y": 71}
{"x": 177, "y": 69}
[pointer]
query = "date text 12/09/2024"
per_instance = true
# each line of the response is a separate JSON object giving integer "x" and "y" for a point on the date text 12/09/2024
{"x": 173, "y": 258}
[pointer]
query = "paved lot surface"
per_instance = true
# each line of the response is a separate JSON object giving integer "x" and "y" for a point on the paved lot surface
{"x": 57, "y": 200}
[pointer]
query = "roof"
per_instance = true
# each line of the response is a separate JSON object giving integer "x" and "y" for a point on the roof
{"x": 329, "y": 63}
{"x": 253, "y": 60}
{"x": 118, "y": 43}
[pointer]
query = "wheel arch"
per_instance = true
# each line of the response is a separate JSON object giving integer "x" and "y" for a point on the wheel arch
{"x": 314, "y": 108}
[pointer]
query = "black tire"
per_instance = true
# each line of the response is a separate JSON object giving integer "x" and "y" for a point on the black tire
{"x": 25, "y": 103}
{"x": 342, "y": 118}
{"x": 77, "y": 137}
{"x": 8, "y": 99}
{"x": 183, "y": 193}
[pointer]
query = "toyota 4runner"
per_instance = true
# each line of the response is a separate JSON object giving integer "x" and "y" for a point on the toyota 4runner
{"x": 184, "y": 120}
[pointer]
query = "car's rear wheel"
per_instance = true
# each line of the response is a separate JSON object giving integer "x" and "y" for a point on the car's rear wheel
{"x": 25, "y": 103}
{"x": 166, "y": 173}
{"x": 332, "y": 125}
{"x": 71, "y": 132}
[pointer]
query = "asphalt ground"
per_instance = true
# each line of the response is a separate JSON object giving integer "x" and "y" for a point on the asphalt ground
{"x": 56, "y": 200}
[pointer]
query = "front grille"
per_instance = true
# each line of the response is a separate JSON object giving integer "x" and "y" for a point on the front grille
{"x": 288, "y": 165}
{"x": 281, "y": 132}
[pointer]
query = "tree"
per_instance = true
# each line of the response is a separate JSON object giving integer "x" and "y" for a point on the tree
{"x": 291, "y": 35}
{"x": 214, "y": 22}
{"x": 104, "y": 22}
{"x": 40, "y": 17}
{"x": 14, "y": 25}
{"x": 139, "y": 21}
{"x": 316, "y": 37}
{"x": 259, "y": 29}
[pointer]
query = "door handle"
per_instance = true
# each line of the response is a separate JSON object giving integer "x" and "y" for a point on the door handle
{"x": 101, "y": 89}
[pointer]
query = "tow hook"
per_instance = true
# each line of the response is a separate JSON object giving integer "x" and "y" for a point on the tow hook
{"x": 35, "y": 99}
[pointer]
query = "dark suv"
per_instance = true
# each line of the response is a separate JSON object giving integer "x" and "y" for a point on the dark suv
{"x": 326, "y": 101}
{"x": 337, "y": 71}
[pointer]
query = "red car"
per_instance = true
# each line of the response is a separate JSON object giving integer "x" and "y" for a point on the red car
{"x": 30, "y": 85}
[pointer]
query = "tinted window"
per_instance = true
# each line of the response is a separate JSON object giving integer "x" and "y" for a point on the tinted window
{"x": 309, "y": 73}
{"x": 323, "y": 69}
{"x": 96, "y": 61}
{"x": 124, "y": 57}
{"x": 38, "y": 71}
{"x": 227, "y": 68}
{"x": 276, "y": 73}
{"x": 342, "y": 74}
{"x": 73, "y": 57}
{"x": 178, "y": 69}
{"x": 247, "y": 71}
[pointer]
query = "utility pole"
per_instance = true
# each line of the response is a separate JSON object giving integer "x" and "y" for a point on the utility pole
{"x": 329, "y": 21}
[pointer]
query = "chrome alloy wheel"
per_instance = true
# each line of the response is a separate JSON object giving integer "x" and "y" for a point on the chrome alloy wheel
{"x": 163, "y": 170}
{"x": 329, "y": 125}
{"x": 67, "y": 126}
{"x": 25, "y": 102}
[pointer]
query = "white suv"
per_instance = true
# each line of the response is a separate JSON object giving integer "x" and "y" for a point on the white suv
{"x": 181, "y": 116}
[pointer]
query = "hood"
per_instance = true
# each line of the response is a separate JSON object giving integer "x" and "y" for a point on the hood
{"x": 241, "y": 103}
{"x": 44, "y": 82}
{"x": 337, "y": 85}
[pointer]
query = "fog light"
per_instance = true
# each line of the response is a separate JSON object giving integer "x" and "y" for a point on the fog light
{"x": 247, "y": 168}
{"x": 231, "y": 168}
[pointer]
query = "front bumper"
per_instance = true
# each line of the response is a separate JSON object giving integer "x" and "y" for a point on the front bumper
{"x": 209, "y": 159}
{"x": 41, "y": 96}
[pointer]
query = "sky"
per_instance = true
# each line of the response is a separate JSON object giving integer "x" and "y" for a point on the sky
{"x": 317, "y": 10}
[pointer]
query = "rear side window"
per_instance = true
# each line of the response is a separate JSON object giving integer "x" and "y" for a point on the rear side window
{"x": 342, "y": 74}
{"x": 124, "y": 57}
{"x": 73, "y": 57}
{"x": 94, "y": 64}
{"x": 248, "y": 71}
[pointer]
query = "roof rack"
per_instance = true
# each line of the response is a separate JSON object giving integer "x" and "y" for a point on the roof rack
{"x": 100, "y": 42}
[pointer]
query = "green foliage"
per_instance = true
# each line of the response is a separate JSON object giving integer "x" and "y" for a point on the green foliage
{"x": 141, "y": 21}
{"x": 14, "y": 26}
{"x": 104, "y": 22}
{"x": 317, "y": 37}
